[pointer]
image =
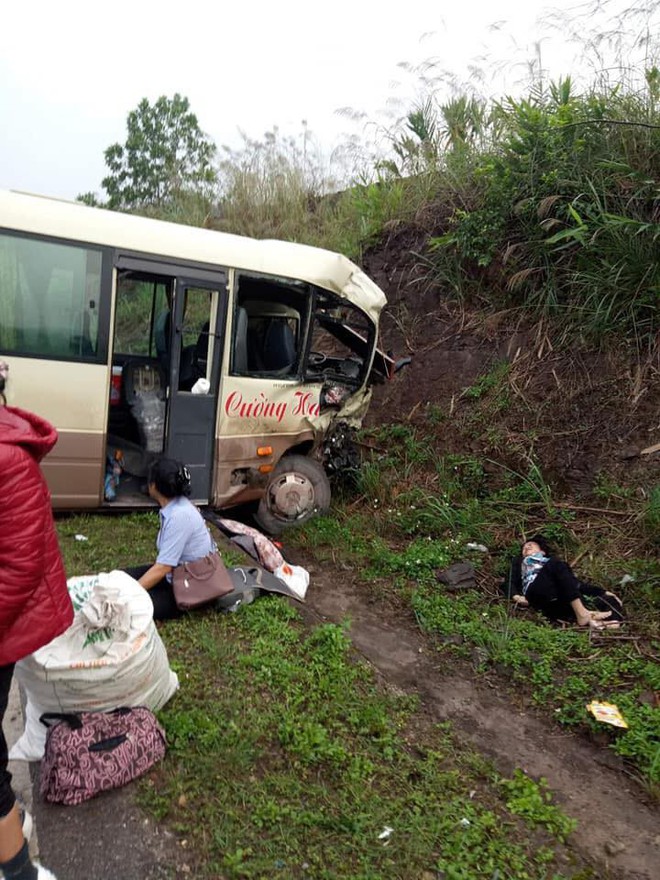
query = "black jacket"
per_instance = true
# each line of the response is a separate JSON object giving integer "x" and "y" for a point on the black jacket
{"x": 552, "y": 590}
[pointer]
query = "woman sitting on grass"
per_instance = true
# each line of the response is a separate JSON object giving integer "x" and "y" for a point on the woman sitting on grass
{"x": 542, "y": 581}
{"x": 183, "y": 535}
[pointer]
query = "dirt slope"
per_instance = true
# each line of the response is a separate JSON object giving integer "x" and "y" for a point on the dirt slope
{"x": 580, "y": 413}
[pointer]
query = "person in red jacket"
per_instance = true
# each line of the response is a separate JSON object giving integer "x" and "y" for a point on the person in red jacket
{"x": 34, "y": 601}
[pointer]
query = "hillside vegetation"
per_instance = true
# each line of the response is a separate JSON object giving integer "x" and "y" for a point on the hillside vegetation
{"x": 546, "y": 201}
{"x": 517, "y": 242}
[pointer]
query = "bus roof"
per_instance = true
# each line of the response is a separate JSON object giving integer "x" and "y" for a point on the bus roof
{"x": 76, "y": 222}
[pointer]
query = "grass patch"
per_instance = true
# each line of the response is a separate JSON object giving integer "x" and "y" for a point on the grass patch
{"x": 107, "y": 541}
{"x": 561, "y": 668}
{"x": 421, "y": 514}
{"x": 287, "y": 760}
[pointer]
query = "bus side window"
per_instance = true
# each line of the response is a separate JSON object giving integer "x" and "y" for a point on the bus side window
{"x": 47, "y": 294}
{"x": 139, "y": 298}
{"x": 339, "y": 343}
{"x": 269, "y": 327}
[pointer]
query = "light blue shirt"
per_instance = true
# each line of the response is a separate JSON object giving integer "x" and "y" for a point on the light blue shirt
{"x": 183, "y": 535}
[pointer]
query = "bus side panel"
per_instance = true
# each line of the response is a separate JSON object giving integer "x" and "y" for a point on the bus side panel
{"x": 267, "y": 406}
{"x": 74, "y": 398}
{"x": 258, "y": 412}
{"x": 240, "y": 454}
{"x": 72, "y": 470}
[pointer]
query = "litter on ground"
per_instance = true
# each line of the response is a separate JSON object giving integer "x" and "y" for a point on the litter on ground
{"x": 608, "y": 713}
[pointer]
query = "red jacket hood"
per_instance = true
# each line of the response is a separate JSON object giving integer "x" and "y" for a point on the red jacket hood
{"x": 21, "y": 428}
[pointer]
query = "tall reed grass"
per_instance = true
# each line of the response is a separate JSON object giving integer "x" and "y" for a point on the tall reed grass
{"x": 547, "y": 201}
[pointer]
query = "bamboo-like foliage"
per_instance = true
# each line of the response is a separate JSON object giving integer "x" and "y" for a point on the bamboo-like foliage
{"x": 567, "y": 216}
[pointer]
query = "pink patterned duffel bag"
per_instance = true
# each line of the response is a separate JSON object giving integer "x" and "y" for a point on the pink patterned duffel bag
{"x": 91, "y": 752}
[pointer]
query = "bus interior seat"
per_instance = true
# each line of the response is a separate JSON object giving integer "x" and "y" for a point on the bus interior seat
{"x": 188, "y": 372}
{"x": 279, "y": 347}
{"x": 140, "y": 377}
{"x": 144, "y": 387}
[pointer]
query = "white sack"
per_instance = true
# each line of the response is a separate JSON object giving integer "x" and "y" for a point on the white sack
{"x": 111, "y": 656}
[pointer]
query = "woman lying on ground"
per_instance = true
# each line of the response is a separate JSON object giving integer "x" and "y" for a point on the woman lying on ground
{"x": 540, "y": 580}
{"x": 183, "y": 535}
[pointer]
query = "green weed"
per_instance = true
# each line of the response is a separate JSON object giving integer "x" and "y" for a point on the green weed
{"x": 608, "y": 489}
{"x": 548, "y": 216}
{"x": 294, "y": 756}
{"x": 490, "y": 381}
{"x": 435, "y": 414}
{"x": 651, "y": 515}
{"x": 533, "y": 802}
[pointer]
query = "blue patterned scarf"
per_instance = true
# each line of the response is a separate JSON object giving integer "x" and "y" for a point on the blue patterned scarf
{"x": 531, "y": 566}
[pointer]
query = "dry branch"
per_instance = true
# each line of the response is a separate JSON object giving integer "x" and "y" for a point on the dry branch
{"x": 575, "y": 507}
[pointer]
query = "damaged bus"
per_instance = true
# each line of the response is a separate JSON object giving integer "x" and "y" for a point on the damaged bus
{"x": 249, "y": 360}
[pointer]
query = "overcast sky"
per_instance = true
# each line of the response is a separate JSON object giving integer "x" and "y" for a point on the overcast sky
{"x": 70, "y": 71}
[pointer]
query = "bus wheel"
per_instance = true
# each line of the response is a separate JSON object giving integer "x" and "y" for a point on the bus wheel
{"x": 297, "y": 490}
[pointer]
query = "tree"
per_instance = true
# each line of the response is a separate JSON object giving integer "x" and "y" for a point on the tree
{"x": 166, "y": 153}
{"x": 90, "y": 199}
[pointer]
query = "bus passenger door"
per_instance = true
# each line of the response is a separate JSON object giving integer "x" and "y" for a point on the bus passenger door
{"x": 197, "y": 342}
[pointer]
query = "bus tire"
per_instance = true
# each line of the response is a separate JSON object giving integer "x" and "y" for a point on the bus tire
{"x": 297, "y": 490}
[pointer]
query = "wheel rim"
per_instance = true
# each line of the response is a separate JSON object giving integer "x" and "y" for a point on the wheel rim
{"x": 291, "y": 496}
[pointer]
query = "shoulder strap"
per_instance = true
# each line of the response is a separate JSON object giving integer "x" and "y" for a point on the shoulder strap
{"x": 74, "y": 720}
